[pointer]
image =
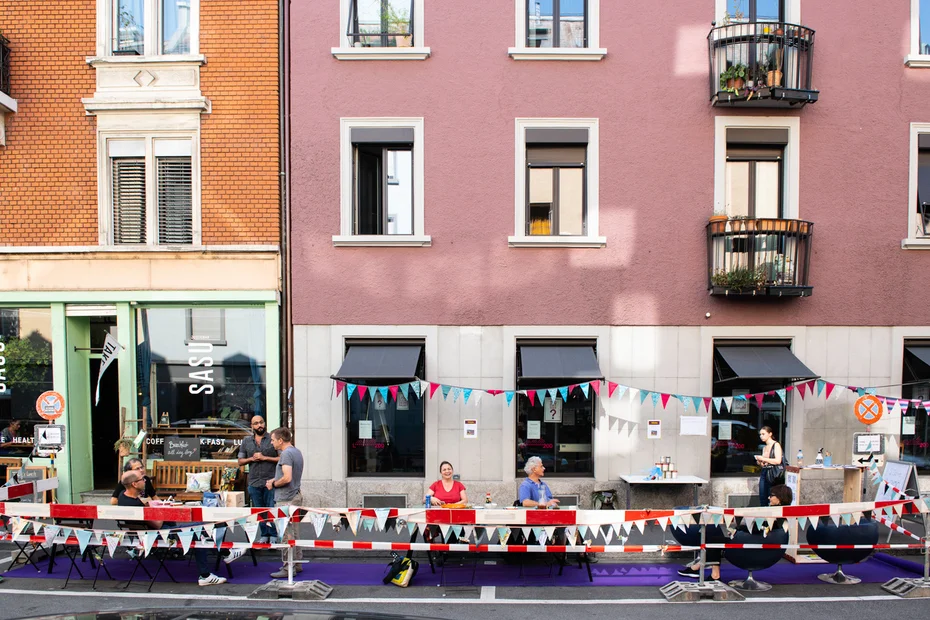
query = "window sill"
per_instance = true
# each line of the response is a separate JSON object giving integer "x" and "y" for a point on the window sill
{"x": 382, "y": 241}
{"x": 199, "y": 59}
{"x": 381, "y": 53}
{"x": 917, "y": 61}
{"x": 530, "y": 53}
{"x": 7, "y": 104}
{"x": 556, "y": 242}
{"x": 918, "y": 243}
{"x": 118, "y": 249}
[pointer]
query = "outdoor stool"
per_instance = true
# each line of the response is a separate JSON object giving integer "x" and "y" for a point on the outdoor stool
{"x": 827, "y": 533}
{"x": 755, "y": 559}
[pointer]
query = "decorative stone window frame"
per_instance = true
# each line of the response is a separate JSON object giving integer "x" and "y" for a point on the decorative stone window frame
{"x": 346, "y": 238}
{"x": 151, "y": 43}
{"x": 913, "y": 241}
{"x": 147, "y": 126}
{"x": 589, "y": 240}
{"x": 914, "y": 58}
{"x": 792, "y": 166}
{"x": 592, "y": 52}
{"x": 346, "y": 51}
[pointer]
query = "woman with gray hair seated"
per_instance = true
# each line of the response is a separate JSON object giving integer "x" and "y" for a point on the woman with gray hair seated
{"x": 534, "y": 493}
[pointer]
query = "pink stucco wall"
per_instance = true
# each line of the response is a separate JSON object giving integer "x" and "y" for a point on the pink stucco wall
{"x": 656, "y": 172}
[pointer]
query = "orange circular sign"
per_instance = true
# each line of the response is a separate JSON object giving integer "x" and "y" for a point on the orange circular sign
{"x": 50, "y": 405}
{"x": 868, "y": 409}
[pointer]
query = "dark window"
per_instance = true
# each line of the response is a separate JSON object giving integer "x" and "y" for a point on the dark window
{"x": 380, "y": 23}
{"x": 386, "y": 436}
{"x": 556, "y": 189}
{"x": 923, "y": 184}
{"x": 735, "y": 431}
{"x": 561, "y": 433}
{"x": 383, "y": 183}
{"x": 557, "y": 23}
{"x": 915, "y": 430}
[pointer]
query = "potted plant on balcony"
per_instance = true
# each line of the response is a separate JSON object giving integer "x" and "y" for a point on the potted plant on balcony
{"x": 739, "y": 279}
{"x": 734, "y": 78}
{"x": 774, "y": 75}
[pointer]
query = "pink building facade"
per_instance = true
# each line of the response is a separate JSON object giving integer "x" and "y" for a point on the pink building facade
{"x": 492, "y": 194}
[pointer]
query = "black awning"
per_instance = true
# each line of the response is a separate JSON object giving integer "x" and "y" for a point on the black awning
{"x": 761, "y": 362}
{"x": 545, "y": 363}
{"x": 921, "y": 353}
{"x": 380, "y": 362}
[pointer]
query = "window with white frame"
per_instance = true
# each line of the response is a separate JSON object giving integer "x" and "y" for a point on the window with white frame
{"x": 918, "y": 235}
{"x": 919, "y": 49}
{"x": 151, "y": 191}
{"x": 556, "y": 183}
{"x": 381, "y": 29}
{"x": 557, "y": 30}
{"x": 151, "y": 27}
{"x": 382, "y": 182}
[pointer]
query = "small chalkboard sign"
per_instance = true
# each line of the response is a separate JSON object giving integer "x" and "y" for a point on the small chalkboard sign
{"x": 182, "y": 448}
{"x": 32, "y": 473}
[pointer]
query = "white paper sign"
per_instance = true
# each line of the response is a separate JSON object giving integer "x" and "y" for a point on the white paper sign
{"x": 740, "y": 406}
{"x": 868, "y": 443}
{"x": 654, "y": 429}
{"x": 725, "y": 430}
{"x": 692, "y": 425}
{"x": 908, "y": 425}
{"x": 471, "y": 429}
{"x": 364, "y": 429}
{"x": 553, "y": 410}
{"x": 533, "y": 428}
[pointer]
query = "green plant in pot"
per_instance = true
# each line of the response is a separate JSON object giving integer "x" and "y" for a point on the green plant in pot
{"x": 734, "y": 78}
{"x": 123, "y": 446}
{"x": 739, "y": 278}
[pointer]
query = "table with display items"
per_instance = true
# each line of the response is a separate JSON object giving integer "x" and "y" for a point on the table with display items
{"x": 632, "y": 480}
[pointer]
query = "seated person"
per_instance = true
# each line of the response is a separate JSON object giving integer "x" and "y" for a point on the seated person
{"x": 534, "y": 493}
{"x": 446, "y": 490}
{"x": 149, "y": 493}
{"x": 133, "y": 484}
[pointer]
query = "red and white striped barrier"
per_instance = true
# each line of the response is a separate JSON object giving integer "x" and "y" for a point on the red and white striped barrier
{"x": 15, "y": 491}
{"x": 908, "y": 506}
{"x": 897, "y": 528}
{"x": 806, "y": 546}
{"x": 391, "y": 546}
{"x": 130, "y": 513}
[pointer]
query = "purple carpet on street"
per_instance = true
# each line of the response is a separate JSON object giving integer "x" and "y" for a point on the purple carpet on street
{"x": 483, "y": 574}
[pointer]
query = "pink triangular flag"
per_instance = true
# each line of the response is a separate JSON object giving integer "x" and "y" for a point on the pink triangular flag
{"x": 340, "y": 385}
{"x": 393, "y": 390}
{"x": 830, "y": 387}
{"x": 788, "y": 388}
{"x": 810, "y": 385}
{"x": 571, "y": 388}
{"x": 665, "y": 398}
{"x": 494, "y": 392}
{"x": 596, "y": 386}
{"x": 362, "y": 390}
{"x": 801, "y": 389}
{"x": 707, "y": 401}
{"x": 759, "y": 398}
{"x": 532, "y": 395}
{"x": 432, "y": 388}
{"x": 611, "y": 388}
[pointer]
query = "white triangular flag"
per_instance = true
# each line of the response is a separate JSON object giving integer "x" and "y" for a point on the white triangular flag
{"x": 381, "y": 515}
{"x": 280, "y": 525}
{"x": 352, "y": 517}
{"x": 641, "y": 525}
{"x": 186, "y": 538}
{"x": 503, "y": 534}
{"x": 113, "y": 543}
{"x": 148, "y": 539}
{"x": 251, "y": 531}
{"x": 319, "y": 522}
{"x": 445, "y": 531}
{"x": 51, "y": 533}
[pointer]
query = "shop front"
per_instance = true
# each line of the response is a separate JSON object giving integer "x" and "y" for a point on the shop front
{"x": 191, "y": 364}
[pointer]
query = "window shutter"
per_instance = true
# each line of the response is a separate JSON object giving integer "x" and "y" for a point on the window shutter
{"x": 175, "y": 201}
{"x": 128, "y": 200}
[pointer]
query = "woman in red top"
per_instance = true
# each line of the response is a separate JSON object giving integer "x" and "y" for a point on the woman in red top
{"x": 446, "y": 490}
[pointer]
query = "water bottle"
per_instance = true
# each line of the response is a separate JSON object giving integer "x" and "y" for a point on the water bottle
{"x": 429, "y": 501}
{"x": 818, "y": 460}
{"x": 800, "y": 458}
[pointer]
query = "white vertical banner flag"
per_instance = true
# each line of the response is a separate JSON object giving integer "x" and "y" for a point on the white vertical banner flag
{"x": 110, "y": 352}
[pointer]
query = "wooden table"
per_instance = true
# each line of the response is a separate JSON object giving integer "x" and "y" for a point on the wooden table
{"x": 632, "y": 480}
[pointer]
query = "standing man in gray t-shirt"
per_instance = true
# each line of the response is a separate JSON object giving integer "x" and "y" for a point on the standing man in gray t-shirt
{"x": 257, "y": 452}
{"x": 286, "y": 485}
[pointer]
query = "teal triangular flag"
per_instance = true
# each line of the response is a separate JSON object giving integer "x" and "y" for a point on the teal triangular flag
{"x": 371, "y": 393}
{"x": 416, "y": 388}
{"x": 552, "y": 393}
{"x": 782, "y": 394}
{"x": 541, "y": 395}
{"x": 860, "y": 391}
{"x": 411, "y": 527}
{"x": 820, "y": 385}
{"x": 456, "y": 392}
{"x": 466, "y": 393}
{"x": 718, "y": 403}
{"x": 368, "y": 523}
{"x": 384, "y": 393}
{"x": 802, "y": 522}
{"x": 503, "y": 534}
{"x": 403, "y": 389}
{"x": 871, "y": 391}
{"x": 655, "y": 398}
{"x": 509, "y": 397}
{"x": 218, "y": 535}
{"x": 564, "y": 392}
{"x": 698, "y": 401}
{"x": 445, "y": 391}
{"x": 584, "y": 388}
{"x": 759, "y": 523}
{"x": 83, "y": 537}
{"x": 540, "y": 537}
{"x": 643, "y": 395}
{"x": 350, "y": 389}
{"x": 621, "y": 390}
{"x": 684, "y": 401}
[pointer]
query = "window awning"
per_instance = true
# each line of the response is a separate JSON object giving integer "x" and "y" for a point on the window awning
{"x": 921, "y": 353}
{"x": 764, "y": 362}
{"x": 379, "y": 362}
{"x": 546, "y": 363}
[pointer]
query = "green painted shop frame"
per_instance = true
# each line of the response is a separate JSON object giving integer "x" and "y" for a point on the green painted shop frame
{"x": 71, "y": 354}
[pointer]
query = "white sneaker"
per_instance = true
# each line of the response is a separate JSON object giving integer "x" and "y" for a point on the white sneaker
{"x": 211, "y": 580}
{"x": 234, "y": 554}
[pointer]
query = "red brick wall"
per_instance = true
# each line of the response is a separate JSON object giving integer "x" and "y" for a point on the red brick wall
{"x": 239, "y": 140}
{"x": 48, "y": 169}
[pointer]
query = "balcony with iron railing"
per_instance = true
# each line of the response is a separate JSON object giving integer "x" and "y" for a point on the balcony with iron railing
{"x": 759, "y": 257}
{"x": 761, "y": 64}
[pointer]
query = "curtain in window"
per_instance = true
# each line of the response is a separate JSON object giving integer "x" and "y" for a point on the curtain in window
{"x": 128, "y": 179}
{"x": 129, "y": 27}
{"x": 175, "y": 26}
{"x": 175, "y": 200}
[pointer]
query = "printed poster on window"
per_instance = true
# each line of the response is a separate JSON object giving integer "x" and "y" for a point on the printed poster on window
{"x": 552, "y": 409}
{"x": 380, "y": 405}
{"x": 364, "y": 429}
{"x": 725, "y": 430}
{"x": 568, "y": 417}
{"x": 740, "y": 406}
{"x": 908, "y": 425}
{"x": 533, "y": 428}
{"x": 402, "y": 403}
{"x": 471, "y": 429}
{"x": 654, "y": 429}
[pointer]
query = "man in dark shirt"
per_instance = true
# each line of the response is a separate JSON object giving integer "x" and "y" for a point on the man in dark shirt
{"x": 133, "y": 484}
{"x": 257, "y": 452}
{"x": 137, "y": 466}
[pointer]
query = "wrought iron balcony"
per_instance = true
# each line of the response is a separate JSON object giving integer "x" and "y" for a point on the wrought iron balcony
{"x": 4, "y": 65}
{"x": 759, "y": 257}
{"x": 761, "y": 64}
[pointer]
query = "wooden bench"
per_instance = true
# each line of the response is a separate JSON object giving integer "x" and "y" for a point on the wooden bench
{"x": 170, "y": 477}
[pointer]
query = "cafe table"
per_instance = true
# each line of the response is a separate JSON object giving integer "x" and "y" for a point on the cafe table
{"x": 634, "y": 480}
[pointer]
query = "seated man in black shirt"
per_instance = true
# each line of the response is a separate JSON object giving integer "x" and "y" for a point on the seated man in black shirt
{"x": 149, "y": 493}
{"x": 133, "y": 484}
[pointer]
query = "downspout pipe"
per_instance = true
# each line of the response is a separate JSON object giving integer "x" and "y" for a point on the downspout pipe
{"x": 284, "y": 159}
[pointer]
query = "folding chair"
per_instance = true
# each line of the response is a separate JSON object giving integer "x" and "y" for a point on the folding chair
{"x": 160, "y": 554}
{"x": 28, "y": 548}
{"x": 71, "y": 551}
